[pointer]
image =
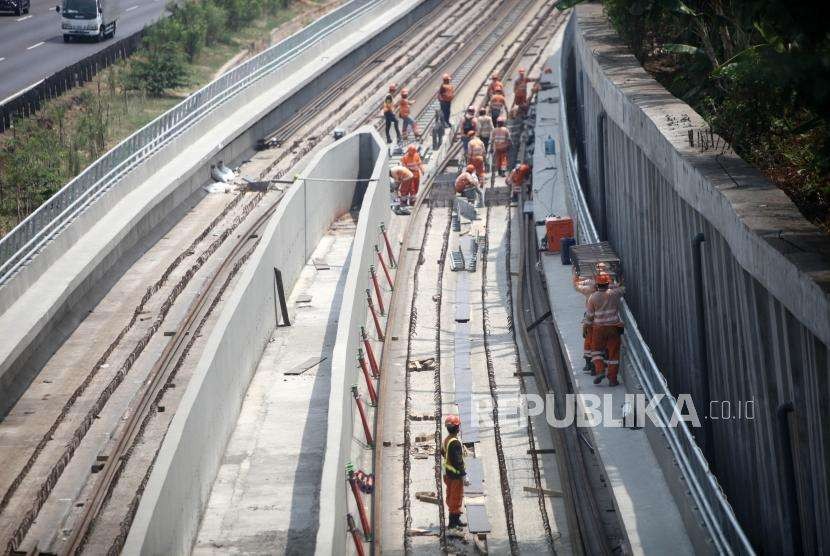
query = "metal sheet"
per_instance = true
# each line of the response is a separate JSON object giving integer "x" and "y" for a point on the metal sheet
{"x": 305, "y": 365}
{"x": 475, "y": 475}
{"x": 462, "y": 298}
{"x": 477, "y": 521}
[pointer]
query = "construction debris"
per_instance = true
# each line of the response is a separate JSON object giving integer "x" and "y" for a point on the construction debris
{"x": 428, "y": 497}
{"x": 422, "y": 365}
{"x": 545, "y": 491}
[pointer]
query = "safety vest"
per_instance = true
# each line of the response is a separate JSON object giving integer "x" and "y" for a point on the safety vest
{"x": 485, "y": 126}
{"x": 447, "y": 466}
{"x": 475, "y": 148}
{"x": 495, "y": 87}
{"x": 501, "y": 136}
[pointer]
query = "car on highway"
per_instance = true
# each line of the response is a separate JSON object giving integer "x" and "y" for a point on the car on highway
{"x": 17, "y": 6}
{"x": 95, "y": 19}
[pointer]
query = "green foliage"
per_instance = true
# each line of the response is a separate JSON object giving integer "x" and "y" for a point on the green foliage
{"x": 160, "y": 65}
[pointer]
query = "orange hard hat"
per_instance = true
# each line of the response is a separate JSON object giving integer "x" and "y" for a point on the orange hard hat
{"x": 603, "y": 279}
{"x": 498, "y": 88}
{"x": 471, "y": 133}
{"x": 452, "y": 420}
{"x": 446, "y": 77}
{"x": 392, "y": 87}
{"x": 521, "y": 70}
{"x": 412, "y": 149}
{"x": 471, "y": 168}
{"x": 501, "y": 119}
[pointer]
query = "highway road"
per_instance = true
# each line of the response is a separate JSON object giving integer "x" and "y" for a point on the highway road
{"x": 32, "y": 47}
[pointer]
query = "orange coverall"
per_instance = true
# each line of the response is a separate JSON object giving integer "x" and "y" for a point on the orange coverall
{"x": 475, "y": 155}
{"x": 603, "y": 314}
{"x": 413, "y": 164}
{"x": 501, "y": 141}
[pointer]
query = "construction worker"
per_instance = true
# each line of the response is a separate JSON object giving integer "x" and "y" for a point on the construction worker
{"x": 496, "y": 86}
{"x": 476, "y": 152}
{"x": 501, "y": 143}
{"x": 390, "y": 118}
{"x": 412, "y": 161}
{"x": 484, "y": 124}
{"x": 497, "y": 105}
{"x": 393, "y": 88}
{"x": 401, "y": 178}
{"x": 438, "y": 127}
{"x": 468, "y": 123}
{"x": 520, "y": 89}
{"x": 587, "y": 286}
{"x": 603, "y": 315}
{"x": 517, "y": 178}
{"x": 404, "y": 108}
{"x": 446, "y": 92}
{"x": 454, "y": 473}
{"x": 467, "y": 183}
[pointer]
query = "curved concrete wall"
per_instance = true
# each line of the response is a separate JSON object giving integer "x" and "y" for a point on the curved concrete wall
{"x": 168, "y": 516}
{"x": 46, "y": 300}
{"x": 765, "y": 277}
{"x": 334, "y": 492}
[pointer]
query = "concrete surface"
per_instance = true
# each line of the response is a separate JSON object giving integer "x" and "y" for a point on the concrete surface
{"x": 266, "y": 497}
{"x": 47, "y": 299}
{"x": 648, "y": 510}
{"x": 168, "y": 516}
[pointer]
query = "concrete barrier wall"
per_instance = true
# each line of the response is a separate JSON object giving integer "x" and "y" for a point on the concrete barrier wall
{"x": 761, "y": 331}
{"x": 118, "y": 227}
{"x": 169, "y": 514}
{"x": 334, "y": 492}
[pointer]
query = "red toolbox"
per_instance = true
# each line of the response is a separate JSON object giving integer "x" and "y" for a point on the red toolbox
{"x": 557, "y": 227}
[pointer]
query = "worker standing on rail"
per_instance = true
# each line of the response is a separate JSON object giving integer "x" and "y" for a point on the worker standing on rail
{"x": 603, "y": 315}
{"x": 413, "y": 163}
{"x": 495, "y": 86}
{"x": 501, "y": 143}
{"x": 517, "y": 178}
{"x": 476, "y": 152}
{"x": 401, "y": 178}
{"x": 520, "y": 90}
{"x": 390, "y": 118}
{"x": 404, "y": 109}
{"x": 446, "y": 92}
{"x": 497, "y": 106}
{"x": 468, "y": 123}
{"x": 467, "y": 183}
{"x": 484, "y": 124}
{"x": 454, "y": 473}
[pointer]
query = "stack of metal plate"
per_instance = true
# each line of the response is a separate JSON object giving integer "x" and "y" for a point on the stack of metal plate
{"x": 586, "y": 256}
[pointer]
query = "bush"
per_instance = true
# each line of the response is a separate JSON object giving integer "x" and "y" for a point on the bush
{"x": 160, "y": 63}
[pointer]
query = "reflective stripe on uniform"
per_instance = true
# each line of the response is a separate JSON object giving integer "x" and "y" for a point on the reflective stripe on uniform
{"x": 447, "y": 466}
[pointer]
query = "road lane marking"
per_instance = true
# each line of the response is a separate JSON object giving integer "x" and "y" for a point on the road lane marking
{"x": 35, "y": 45}
{"x": 131, "y": 9}
{"x": 1, "y": 59}
{"x": 20, "y": 92}
{"x": 24, "y": 18}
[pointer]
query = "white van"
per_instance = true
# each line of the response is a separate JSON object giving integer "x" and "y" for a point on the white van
{"x": 88, "y": 18}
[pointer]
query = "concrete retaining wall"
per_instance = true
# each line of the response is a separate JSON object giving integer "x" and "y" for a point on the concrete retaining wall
{"x": 47, "y": 299}
{"x": 171, "y": 507}
{"x": 765, "y": 274}
{"x": 334, "y": 492}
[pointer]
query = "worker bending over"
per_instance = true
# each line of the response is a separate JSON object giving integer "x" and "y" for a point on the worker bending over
{"x": 501, "y": 143}
{"x": 603, "y": 315}
{"x": 454, "y": 473}
{"x": 467, "y": 183}
{"x": 412, "y": 160}
{"x": 404, "y": 110}
{"x": 446, "y": 92}
{"x": 389, "y": 117}
{"x": 518, "y": 177}
{"x": 402, "y": 179}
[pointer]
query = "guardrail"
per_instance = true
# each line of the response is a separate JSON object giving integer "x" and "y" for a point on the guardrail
{"x": 27, "y": 238}
{"x": 718, "y": 518}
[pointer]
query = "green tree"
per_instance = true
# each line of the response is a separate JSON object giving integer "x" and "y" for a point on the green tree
{"x": 160, "y": 64}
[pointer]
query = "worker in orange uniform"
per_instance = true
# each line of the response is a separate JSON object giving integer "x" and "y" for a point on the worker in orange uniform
{"x": 517, "y": 178}
{"x": 476, "y": 152}
{"x": 401, "y": 178}
{"x": 467, "y": 183}
{"x": 467, "y": 124}
{"x": 501, "y": 143}
{"x": 389, "y": 117}
{"x": 455, "y": 476}
{"x": 495, "y": 86}
{"x": 498, "y": 105}
{"x": 446, "y": 92}
{"x": 412, "y": 161}
{"x": 587, "y": 286}
{"x": 520, "y": 89}
{"x": 484, "y": 125}
{"x": 404, "y": 110}
{"x": 603, "y": 315}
